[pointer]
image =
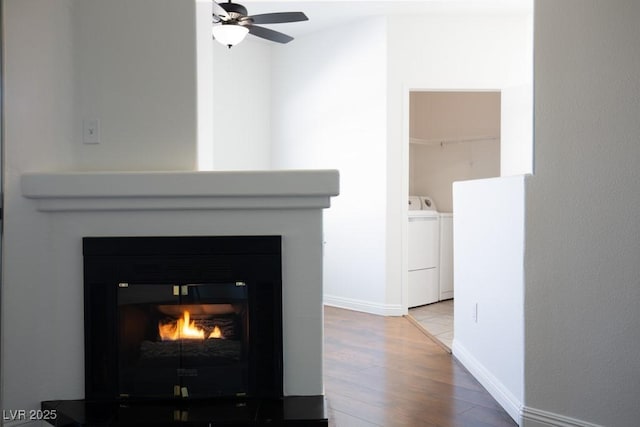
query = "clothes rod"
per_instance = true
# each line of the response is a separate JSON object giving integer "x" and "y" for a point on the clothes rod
{"x": 443, "y": 142}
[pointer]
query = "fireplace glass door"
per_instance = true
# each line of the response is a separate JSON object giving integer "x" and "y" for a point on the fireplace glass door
{"x": 182, "y": 340}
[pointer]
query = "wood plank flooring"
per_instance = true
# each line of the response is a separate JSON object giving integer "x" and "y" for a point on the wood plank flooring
{"x": 382, "y": 371}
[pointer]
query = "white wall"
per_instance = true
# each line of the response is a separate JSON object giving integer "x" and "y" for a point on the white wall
{"x": 516, "y": 144}
{"x": 583, "y": 234}
{"x": 135, "y": 65}
{"x": 39, "y": 86}
{"x": 488, "y": 271}
{"x": 448, "y": 52}
{"x": 329, "y": 111}
{"x": 516, "y": 127}
{"x": 204, "y": 84}
{"x": 39, "y": 110}
{"x": 326, "y": 113}
{"x": 241, "y": 105}
{"x": 66, "y": 60}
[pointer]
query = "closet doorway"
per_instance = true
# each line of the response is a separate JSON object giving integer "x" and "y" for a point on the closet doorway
{"x": 453, "y": 136}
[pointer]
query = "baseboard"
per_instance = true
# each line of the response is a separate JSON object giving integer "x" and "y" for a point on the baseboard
{"x": 533, "y": 417}
{"x": 504, "y": 397}
{"x": 364, "y": 306}
{"x": 446, "y": 295}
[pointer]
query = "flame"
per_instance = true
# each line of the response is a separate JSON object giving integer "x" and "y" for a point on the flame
{"x": 185, "y": 329}
{"x": 216, "y": 333}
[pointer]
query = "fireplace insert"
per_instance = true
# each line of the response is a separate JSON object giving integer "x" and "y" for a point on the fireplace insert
{"x": 182, "y": 318}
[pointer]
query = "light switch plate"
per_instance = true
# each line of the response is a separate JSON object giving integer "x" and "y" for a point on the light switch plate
{"x": 91, "y": 131}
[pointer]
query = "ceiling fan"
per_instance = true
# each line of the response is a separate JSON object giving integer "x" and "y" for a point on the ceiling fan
{"x": 231, "y": 23}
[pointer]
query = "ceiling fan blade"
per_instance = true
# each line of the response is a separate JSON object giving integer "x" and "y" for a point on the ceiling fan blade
{"x": 268, "y": 34}
{"x": 219, "y": 11}
{"x": 279, "y": 18}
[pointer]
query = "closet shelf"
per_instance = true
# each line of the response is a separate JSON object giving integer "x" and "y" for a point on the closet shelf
{"x": 446, "y": 141}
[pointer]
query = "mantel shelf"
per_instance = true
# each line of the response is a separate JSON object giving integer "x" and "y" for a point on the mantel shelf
{"x": 271, "y": 189}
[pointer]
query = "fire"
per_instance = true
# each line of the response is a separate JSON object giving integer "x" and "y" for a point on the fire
{"x": 216, "y": 333}
{"x": 185, "y": 329}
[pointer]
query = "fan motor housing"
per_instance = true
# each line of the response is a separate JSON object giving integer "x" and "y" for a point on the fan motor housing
{"x": 234, "y": 9}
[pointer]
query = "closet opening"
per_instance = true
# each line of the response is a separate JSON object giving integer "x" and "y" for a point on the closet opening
{"x": 453, "y": 136}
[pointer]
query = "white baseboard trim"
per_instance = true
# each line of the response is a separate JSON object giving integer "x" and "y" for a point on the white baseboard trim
{"x": 496, "y": 389}
{"x": 446, "y": 295}
{"x": 364, "y": 306}
{"x": 544, "y": 418}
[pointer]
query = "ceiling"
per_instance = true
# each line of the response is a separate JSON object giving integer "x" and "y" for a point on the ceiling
{"x": 326, "y": 13}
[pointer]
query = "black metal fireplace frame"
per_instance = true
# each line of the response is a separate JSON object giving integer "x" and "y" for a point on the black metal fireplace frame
{"x": 254, "y": 260}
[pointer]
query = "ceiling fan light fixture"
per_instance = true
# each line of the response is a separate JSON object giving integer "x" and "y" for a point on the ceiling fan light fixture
{"x": 231, "y": 23}
{"x": 229, "y": 34}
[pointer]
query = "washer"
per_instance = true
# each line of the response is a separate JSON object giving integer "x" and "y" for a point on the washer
{"x": 415, "y": 203}
{"x": 424, "y": 253}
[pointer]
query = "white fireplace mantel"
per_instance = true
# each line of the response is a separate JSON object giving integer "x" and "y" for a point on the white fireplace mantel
{"x": 272, "y": 189}
{"x": 72, "y": 205}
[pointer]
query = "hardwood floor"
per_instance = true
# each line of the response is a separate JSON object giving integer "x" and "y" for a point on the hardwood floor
{"x": 382, "y": 371}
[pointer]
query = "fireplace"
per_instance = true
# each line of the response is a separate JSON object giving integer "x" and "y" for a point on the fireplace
{"x": 182, "y": 318}
{"x": 83, "y": 387}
